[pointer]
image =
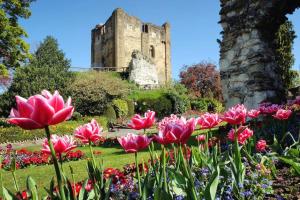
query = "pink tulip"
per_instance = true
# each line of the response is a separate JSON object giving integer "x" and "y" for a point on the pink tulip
{"x": 261, "y": 145}
{"x": 90, "y": 132}
{"x": 176, "y": 132}
{"x": 40, "y": 111}
{"x": 138, "y": 122}
{"x": 253, "y": 113}
{"x": 243, "y": 133}
{"x": 235, "y": 115}
{"x": 133, "y": 143}
{"x": 282, "y": 114}
{"x": 200, "y": 138}
{"x": 208, "y": 120}
{"x": 166, "y": 120}
{"x": 61, "y": 144}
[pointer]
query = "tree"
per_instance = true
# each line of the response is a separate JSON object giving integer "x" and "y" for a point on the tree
{"x": 13, "y": 49}
{"x": 202, "y": 80}
{"x": 48, "y": 69}
{"x": 284, "y": 40}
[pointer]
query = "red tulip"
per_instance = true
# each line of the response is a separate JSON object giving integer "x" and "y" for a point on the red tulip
{"x": 235, "y": 115}
{"x": 138, "y": 122}
{"x": 243, "y": 133}
{"x": 282, "y": 114}
{"x": 208, "y": 120}
{"x": 176, "y": 132}
{"x": 133, "y": 143}
{"x": 90, "y": 132}
{"x": 200, "y": 138}
{"x": 61, "y": 144}
{"x": 261, "y": 145}
{"x": 40, "y": 111}
{"x": 253, "y": 113}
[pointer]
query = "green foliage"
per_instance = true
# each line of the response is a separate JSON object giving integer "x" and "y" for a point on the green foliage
{"x": 130, "y": 105}
{"x": 284, "y": 40}
{"x": 207, "y": 105}
{"x": 47, "y": 70}
{"x": 162, "y": 106}
{"x": 92, "y": 91}
{"x": 121, "y": 107}
{"x": 110, "y": 114}
{"x": 14, "y": 50}
{"x": 177, "y": 93}
{"x": 76, "y": 116}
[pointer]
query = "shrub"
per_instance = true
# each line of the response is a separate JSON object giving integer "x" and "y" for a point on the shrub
{"x": 120, "y": 107}
{"x": 130, "y": 105}
{"x": 110, "y": 114}
{"x": 76, "y": 116}
{"x": 92, "y": 91}
{"x": 207, "y": 105}
{"x": 162, "y": 106}
{"x": 180, "y": 103}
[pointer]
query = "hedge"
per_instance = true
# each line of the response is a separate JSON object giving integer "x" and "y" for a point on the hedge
{"x": 10, "y": 133}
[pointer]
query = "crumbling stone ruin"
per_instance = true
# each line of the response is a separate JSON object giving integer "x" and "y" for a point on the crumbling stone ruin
{"x": 143, "y": 71}
{"x": 249, "y": 73}
{"x": 114, "y": 42}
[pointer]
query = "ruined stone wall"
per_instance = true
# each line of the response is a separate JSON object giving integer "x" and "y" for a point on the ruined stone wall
{"x": 249, "y": 72}
{"x": 130, "y": 34}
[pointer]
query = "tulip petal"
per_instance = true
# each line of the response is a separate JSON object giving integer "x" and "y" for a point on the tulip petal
{"x": 62, "y": 115}
{"x": 43, "y": 112}
{"x": 57, "y": 102}
{"x": 25, "y": 123}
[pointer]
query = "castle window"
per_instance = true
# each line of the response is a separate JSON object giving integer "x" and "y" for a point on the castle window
{"x": 152, "y": 51}
{"x": 145, "y": 28}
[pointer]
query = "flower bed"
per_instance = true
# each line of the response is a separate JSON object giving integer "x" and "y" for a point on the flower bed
{"x": 239, "y": 163}
{"x": 25, "y": 158}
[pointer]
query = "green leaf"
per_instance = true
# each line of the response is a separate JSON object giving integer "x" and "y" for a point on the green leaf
{"x": 211, "y": 187}
{"x": 295, "y": 165}
{"x": 31, "y": 186}
{"x": 8, "y": 195}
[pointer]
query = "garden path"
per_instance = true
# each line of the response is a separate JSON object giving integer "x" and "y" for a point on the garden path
{"x": 118, "y": 132}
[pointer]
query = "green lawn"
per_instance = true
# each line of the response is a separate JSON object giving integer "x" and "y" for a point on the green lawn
{"x": 112, "y": 157}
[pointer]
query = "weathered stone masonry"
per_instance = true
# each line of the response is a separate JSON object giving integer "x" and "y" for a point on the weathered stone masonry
{"x": 249, "y": 73}
{"x": 114, "y": 42}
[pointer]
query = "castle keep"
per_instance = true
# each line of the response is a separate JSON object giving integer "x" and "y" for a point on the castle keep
{"x": 114, "y": 42}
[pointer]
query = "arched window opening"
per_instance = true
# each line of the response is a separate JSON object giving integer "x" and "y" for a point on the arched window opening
{"x": 152, "y": 51}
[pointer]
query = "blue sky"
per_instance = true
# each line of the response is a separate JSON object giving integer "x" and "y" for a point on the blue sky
{"x": 194, "y": 27}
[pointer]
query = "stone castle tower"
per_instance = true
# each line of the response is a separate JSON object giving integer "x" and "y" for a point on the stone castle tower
{"x": 114, "y": 42}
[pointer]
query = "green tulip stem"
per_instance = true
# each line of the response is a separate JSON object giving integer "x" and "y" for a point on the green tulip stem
{"x": 237, "y": 153}
{"x": 56, "y": 166}
{"x": 61, "y": 163}
{"x": 164, "y": 168}
{"x": 15, "y": 181}
{"x": 92, "y": 154}
{"x": 138, "y": 174}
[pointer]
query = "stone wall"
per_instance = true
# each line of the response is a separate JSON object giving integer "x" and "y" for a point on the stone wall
{"x": 249, "y": 72}
{"x": 142, "y": 71}
{"x": 129, "y": 34}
